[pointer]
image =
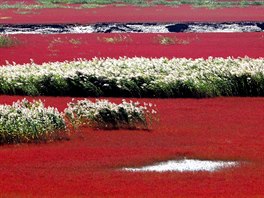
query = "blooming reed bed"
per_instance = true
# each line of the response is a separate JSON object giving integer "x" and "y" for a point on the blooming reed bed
{"x": 137, "y": 77}
{"x": 25, "y": 121}
{"x": 107, "y": 115}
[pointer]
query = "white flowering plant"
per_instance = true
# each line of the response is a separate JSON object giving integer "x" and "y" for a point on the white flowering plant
{"x": 25, "y": 121}
{"x": 103, "y": 114}
{"x": 137, "y": 77}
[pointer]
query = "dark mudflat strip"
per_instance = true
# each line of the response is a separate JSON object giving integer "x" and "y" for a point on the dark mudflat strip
{"x": 132, "y": 28}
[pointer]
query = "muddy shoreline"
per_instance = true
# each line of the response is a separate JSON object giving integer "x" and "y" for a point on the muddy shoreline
{"x": 132, "y": 28}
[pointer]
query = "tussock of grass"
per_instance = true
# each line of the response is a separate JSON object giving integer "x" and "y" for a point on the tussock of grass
{"x": 167, "y": 40}
{"x": 75, "y": 41}
{"x": 26, "y": 121}
{"x": 103, "y": 114}
{"x": 86, "y": 5}
{"x": 115, "y": 39}
{"x": 7, "y": 41}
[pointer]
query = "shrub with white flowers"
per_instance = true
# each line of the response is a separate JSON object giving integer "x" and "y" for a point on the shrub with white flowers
{"x": 25, "y": 121}
{"x": 137, "y": 77}
{"x": 103, "y": 114}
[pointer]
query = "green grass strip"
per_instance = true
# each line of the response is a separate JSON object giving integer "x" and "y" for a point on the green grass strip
{"x": 212, "y": 4}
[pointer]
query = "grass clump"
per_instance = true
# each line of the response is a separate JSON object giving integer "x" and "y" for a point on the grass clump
{"x": 75, "y": 41}
{"x": 91, "y": 5}
{"x": 167, "y": 40}
{"x": 25, "y": 121}
{"x": 7, "y": 41}
{"x": 32, "y": 122}
{"x": 115, "y": 39}
{"x": 103, "y": 114}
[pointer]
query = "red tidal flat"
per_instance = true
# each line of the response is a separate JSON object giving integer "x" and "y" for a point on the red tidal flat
{"x": 44, "y": 48}
{"x": 132, "y": 14}
{"x": 214, "y": 129}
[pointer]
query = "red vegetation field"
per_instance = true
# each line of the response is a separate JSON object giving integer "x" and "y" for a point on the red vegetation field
{"x": 87, "y": 165}
{"x": 44, "y": 48}
{"x": 132, "y": 14}
{"x": 214, "y": 129}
